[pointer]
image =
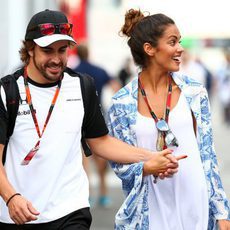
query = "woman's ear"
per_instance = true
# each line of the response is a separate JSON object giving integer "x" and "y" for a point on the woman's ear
{"x": 149, "y": 50}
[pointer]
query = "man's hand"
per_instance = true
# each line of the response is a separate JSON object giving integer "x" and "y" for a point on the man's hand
{"x": 172, "y": 167}
{"x": 224, "y": 224}
{"x": 162, "y": 164}
{"x": 21, "y": 210}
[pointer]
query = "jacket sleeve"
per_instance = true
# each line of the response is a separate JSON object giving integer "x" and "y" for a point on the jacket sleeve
{"x": 118, "y": 125}
{"x": 218, "y": 203}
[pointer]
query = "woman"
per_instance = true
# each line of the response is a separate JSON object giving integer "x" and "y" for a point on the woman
{"x": 160, "y": 109}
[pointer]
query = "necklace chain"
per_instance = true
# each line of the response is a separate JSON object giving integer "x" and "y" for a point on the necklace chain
{"x": 160, "y": 145}
{"x": 168, "y": 101}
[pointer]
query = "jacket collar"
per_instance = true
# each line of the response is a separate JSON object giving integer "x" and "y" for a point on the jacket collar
{"x": 188, "y": 86}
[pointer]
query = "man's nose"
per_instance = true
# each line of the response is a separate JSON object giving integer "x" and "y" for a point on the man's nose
{"x": 56, "y": 58}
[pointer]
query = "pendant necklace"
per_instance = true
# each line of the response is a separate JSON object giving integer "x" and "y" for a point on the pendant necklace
{"x": 160, "y": 144}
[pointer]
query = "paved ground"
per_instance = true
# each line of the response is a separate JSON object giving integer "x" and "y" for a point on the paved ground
{"x": 103, "y": 219}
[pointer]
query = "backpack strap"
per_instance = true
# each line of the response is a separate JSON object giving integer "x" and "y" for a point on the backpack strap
{"x": 86, "y": 82}
{"x": 12, "y": 101}
{"x": 10, "y": 87}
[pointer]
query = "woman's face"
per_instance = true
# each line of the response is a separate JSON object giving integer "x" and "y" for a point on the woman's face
{"x": 168, "y": 51}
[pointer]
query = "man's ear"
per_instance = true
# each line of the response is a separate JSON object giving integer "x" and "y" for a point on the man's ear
{"x": 31, "y": 52}
{"x": 149, "y": 50}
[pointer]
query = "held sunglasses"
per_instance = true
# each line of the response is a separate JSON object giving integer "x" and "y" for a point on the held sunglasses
{"x": 51, "y": 28}
{"x": 170, "y": 139}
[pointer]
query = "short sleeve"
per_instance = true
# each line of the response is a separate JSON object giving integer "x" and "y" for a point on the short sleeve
{"x": 94, "y": 123}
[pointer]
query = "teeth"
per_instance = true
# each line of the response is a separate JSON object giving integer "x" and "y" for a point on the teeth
{"x": 54, "y": 67}
{"x": 176, "y": 58}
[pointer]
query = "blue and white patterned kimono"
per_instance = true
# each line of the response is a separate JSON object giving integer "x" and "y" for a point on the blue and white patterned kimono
{"x": 133, "y": 214}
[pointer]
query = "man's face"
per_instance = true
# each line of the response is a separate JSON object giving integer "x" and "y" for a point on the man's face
{"x": 49, "y": 62}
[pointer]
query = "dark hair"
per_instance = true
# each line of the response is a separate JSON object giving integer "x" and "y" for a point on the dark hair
{"x": 24, "y": 51}
{"x": 141, "y": 29}
{"x": 83, "y": 52}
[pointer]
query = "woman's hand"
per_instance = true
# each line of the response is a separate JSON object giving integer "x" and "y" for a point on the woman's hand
{"x": 224, "y": 224}
{"x": 172, "y": 167}
{"x": 162, "y": 164}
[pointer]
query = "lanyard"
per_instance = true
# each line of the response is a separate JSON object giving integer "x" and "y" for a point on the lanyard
{"x": 168, "y": 102}
{"x": 33, "y": 151}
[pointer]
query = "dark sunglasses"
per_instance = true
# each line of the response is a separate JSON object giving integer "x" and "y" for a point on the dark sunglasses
{"x": 50, "y": 28}
{"x": 170, "y": 139}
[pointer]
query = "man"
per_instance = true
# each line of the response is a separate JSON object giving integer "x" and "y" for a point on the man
{"x": 42, "y": 183}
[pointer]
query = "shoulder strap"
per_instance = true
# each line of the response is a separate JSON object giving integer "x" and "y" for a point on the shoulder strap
{"x": 10, "y": 87}
{"x": 85, "y": 88}
{"x": 12, "y": 100}
{"x": 85, "y": 81}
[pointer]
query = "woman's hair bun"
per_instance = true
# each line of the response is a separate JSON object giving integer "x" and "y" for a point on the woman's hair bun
{"x": 132, "y": 17}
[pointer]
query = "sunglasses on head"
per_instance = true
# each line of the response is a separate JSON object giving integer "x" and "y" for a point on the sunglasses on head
{"x": 50, "y": 28}
{"x": 170, "y": 139}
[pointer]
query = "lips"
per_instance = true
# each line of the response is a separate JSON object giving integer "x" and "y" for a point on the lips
{"x": 177, "y": 59}
{"x": 54, "y": 69}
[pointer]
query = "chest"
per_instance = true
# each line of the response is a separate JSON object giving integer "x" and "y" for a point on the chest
{"x": 157, "y": 102}
{"x": 66, "y": 116}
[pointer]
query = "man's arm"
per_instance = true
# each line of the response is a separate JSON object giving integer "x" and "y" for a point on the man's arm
{"x": 20, "y": 209}
{"x": 6, "y": 190}
{"x": 118, "y": 151}
{"x": 111, "y": 148}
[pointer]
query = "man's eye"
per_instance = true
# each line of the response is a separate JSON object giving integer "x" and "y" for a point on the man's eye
{"x": 46, "y": 51}
{"x": 63, "y": 50}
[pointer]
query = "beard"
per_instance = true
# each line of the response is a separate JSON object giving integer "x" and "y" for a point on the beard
{"x": 46, "y": 70}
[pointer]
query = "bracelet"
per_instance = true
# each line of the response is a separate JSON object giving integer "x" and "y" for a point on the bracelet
{"x": 15, "y": 194}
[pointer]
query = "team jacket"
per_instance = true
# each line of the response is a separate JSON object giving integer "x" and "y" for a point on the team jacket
{"x": 133, "y": 214}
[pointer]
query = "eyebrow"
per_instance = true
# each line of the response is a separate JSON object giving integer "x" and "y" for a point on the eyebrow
{"x": 174, "y": 36}
{"x": 50, "y": 48}
{"x": 64, "y": 47}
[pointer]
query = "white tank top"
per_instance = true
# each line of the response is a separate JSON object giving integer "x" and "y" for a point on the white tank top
{"x": 180, "y": 202}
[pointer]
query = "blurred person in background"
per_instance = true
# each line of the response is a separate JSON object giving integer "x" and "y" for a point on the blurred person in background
{"x": 101, "y": 79}
{"x": 195, "y": 68}
{"x": 209, "y": 78}
{"x": 161, "y": 108}
{"x": 223, "y": 86}
{"x": 43, "y": 184}
{"x": 125, "y": 72}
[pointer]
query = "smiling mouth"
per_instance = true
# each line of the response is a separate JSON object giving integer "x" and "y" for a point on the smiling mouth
{"x": 54, "y": 69}
{"x": 177, "y": 59}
